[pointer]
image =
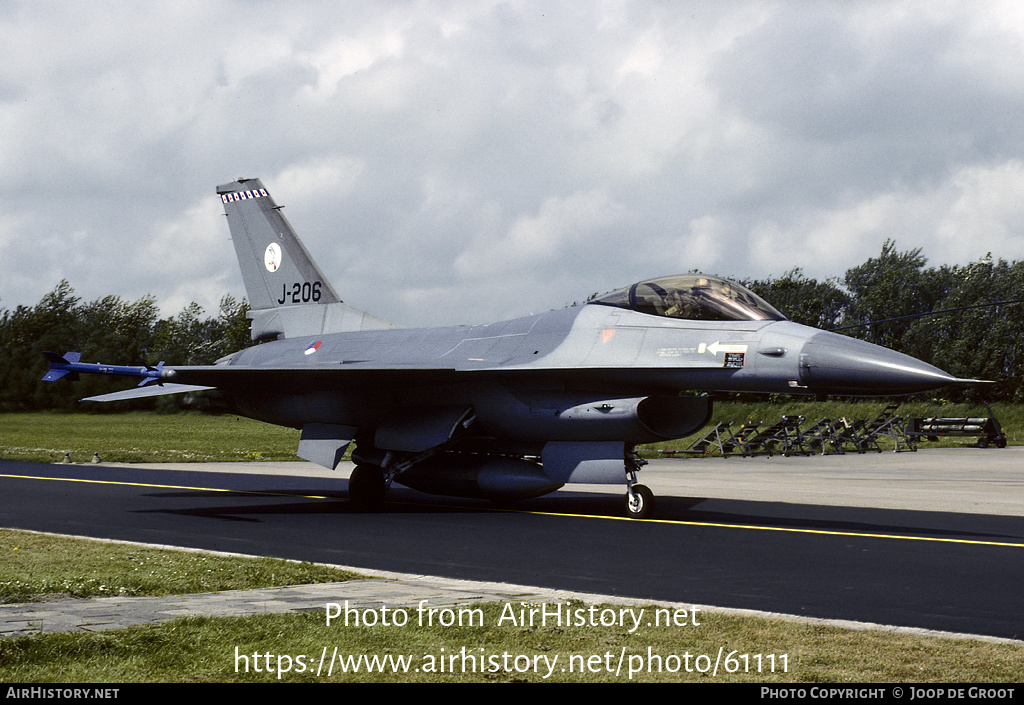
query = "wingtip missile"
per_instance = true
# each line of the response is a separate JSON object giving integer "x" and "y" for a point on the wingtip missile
{"x": 69, "y": 365}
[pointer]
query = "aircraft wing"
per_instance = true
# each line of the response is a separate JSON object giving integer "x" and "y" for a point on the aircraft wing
{"x": 354, "y": 378}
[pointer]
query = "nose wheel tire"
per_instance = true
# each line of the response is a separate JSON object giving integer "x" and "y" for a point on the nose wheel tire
{"x": 639, "y": 502}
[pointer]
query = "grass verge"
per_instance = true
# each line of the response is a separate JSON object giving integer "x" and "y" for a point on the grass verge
{"x": 269, "y": 648}
{"x": 142, "y": 436}
{"x": 34, "y": 566}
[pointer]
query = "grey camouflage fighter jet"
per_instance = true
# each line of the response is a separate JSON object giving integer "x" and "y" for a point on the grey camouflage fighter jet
{"x": 507, "y": 410}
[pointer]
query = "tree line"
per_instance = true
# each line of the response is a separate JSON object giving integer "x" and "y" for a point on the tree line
{"x": 896, "y": 301}
{"x": 109, "y": 330}
{"x": 979, "y": 341}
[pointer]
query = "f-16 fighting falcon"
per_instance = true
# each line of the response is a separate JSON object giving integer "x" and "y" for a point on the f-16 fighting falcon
{"x": 506, "y": 410}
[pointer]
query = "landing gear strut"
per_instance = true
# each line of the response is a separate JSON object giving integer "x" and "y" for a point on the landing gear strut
{"x": 639, "y": 498}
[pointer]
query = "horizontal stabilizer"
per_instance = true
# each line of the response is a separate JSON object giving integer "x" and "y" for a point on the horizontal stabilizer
{"x": 150, "y": 391}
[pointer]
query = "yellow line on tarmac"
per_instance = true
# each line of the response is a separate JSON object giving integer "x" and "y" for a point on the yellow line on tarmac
{"x": 677, "y": 522}
{"x": 166, "y": 487}
{"x": 822, "y": 532}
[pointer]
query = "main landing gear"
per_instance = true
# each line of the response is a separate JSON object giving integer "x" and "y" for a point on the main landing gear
{"x": 367, "y": 486}
{"x": 369, "y": 482}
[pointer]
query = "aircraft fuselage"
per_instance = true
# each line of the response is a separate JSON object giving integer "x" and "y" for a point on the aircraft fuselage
{"x": 539, "y": 377}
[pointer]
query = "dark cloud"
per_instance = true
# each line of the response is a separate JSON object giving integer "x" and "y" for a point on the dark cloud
{"x": 457, "y": 162}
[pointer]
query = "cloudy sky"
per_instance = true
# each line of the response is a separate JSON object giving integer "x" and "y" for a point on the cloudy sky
{"x": 460, "y": 162}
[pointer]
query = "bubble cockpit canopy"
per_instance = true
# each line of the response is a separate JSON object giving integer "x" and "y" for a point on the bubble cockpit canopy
{"x": 695, "y": 297}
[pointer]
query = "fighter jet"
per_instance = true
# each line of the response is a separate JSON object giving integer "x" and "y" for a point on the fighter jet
{"x": 508, "y": 410}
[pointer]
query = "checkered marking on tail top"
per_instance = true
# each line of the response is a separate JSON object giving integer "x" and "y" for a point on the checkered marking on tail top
{"x": 243, "y": 195}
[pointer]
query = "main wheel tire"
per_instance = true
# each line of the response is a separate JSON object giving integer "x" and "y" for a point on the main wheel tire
{"x": 366, "y": 487}
{"x": 639, "y": 502}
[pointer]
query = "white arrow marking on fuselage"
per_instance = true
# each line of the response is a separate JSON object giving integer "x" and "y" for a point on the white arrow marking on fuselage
{"x": 716, "y": 347}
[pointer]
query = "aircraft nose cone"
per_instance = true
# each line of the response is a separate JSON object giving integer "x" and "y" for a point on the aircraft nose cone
{"x": 835, "y": 364}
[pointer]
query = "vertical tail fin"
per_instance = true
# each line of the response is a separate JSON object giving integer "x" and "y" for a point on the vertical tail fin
{"x": 288, "y": 294}
{"x": 276, "y": 268}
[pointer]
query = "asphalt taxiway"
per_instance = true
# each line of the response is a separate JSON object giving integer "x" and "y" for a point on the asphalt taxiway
{"x": 930, "y": 540}
{"x": 989, "y": 481}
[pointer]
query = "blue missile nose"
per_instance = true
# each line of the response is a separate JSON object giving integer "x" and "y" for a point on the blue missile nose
{"x": 835, "y": 364}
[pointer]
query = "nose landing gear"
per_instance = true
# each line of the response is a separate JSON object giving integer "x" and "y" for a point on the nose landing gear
{"x": 639, "y": 498}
